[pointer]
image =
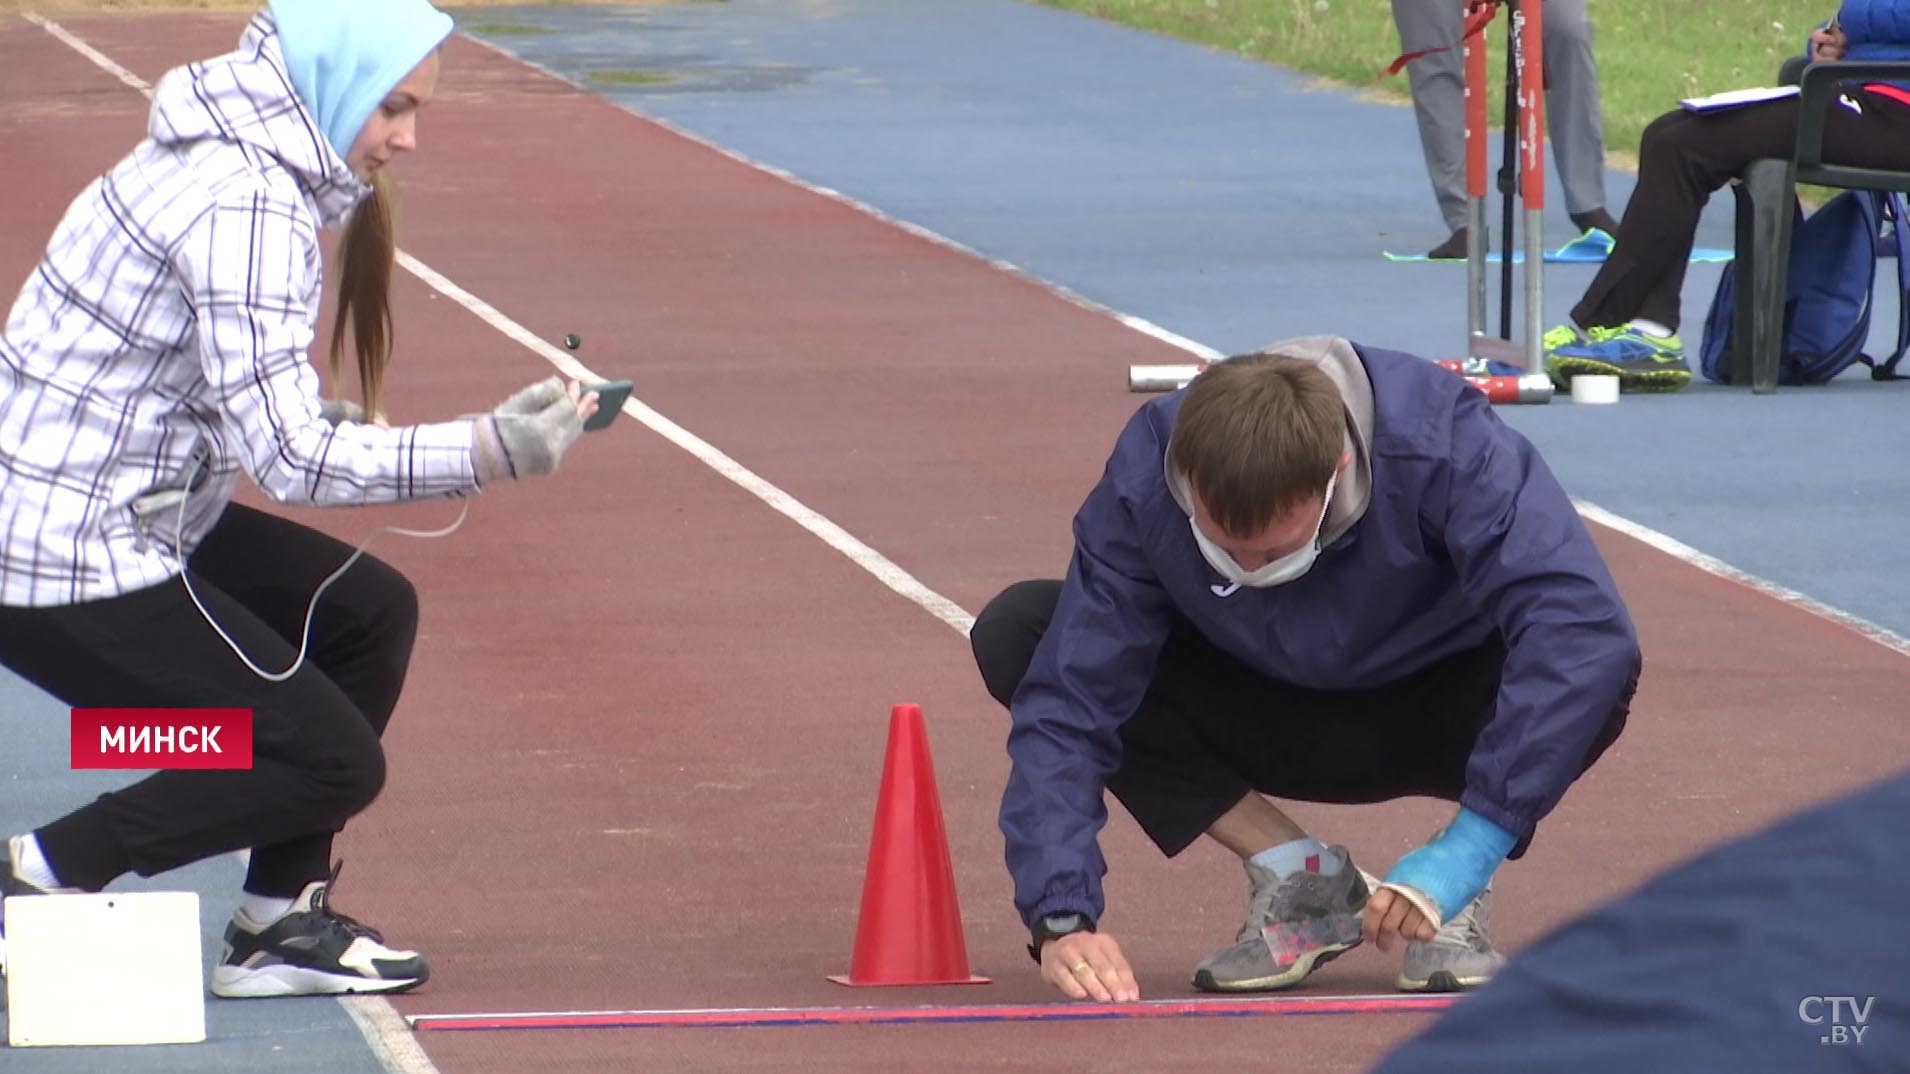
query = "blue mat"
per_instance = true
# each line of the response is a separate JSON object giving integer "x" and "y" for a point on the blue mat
{"x": 1592, "y": 247}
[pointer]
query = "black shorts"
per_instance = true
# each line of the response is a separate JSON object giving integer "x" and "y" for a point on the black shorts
{"x": 1210, "y": 729}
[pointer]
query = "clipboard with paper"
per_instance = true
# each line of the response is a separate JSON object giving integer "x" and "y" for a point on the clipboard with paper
{"x": 1738, "y": 98}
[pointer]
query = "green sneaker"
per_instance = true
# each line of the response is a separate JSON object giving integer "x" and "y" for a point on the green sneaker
{"x": 1641, "y": 362}
{"x": 1564, "y": 335}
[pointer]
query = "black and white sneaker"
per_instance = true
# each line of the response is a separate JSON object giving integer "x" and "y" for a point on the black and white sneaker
{"x": 12, "y": 886}
{"x": 312, "y": 951}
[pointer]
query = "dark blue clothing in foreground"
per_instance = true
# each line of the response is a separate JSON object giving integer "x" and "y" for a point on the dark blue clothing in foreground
{"x": 1760, "y": 956}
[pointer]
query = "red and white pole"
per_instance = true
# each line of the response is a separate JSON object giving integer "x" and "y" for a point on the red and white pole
{"x": 1529, "y": 26}
{"x": 1478, "y": 179}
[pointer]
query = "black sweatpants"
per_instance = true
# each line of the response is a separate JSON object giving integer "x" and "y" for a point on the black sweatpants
{"x": 1683, "y": 157}
{"x": 316, "y": 755}
{"x": 1210, "y": 729}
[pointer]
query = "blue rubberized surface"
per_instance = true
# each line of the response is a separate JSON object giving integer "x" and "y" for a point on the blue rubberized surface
{"x": 301, "y": 1034}
{"x": 1593, "y": 247}
{"x": 1237, "y": 203}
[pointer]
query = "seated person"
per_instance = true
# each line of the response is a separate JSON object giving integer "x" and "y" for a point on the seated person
{"x": 1627, "y": 322}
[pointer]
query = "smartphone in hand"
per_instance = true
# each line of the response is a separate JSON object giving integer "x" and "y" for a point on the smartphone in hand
{"x": 610, "y": 397}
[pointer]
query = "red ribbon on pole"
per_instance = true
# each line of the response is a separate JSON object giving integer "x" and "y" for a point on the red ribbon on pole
{"x": 1479, "y": 13}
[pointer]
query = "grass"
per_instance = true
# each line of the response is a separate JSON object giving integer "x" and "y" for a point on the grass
{"x": 631, "y": 78}
{"x": 10, "y": 7}
{"x": 502, "y": 29}
{"x": 1650, "y": 52}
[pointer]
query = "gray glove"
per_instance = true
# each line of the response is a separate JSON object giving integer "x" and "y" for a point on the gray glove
{"x": 533, "y": 399}
{"x": 535, "y": 426}
{"x": 338, "y": 411}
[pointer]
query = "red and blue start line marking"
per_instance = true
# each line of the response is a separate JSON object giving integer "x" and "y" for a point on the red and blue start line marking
{"x": 753, "y": 1017}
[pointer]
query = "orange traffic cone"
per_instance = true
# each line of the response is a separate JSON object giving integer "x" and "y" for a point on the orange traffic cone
{"x": 910, "y": 928}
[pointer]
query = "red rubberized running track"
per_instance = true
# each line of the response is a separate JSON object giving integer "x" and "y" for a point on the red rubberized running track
{"x": 635, "y": 767}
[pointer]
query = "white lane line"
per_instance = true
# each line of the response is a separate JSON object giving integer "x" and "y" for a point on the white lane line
{"x": 103, "y": 61}
{"x": 1138, "y": 324}
{"x": 390, "y": 1037}
{"x": 1678, "y": 550}
{"x": 885, "y": 570}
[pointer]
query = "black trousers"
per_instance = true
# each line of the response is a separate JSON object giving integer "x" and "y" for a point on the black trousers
{"x": 317, "y": 760}
{"x": 1210, "y": 729}
{"x": 1683, "y": 157}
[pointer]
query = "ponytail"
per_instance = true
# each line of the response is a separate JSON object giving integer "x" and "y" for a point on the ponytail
{"x": 366, "y": 253}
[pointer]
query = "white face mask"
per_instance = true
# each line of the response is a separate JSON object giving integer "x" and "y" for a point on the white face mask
{"x": 1280, "y": 571}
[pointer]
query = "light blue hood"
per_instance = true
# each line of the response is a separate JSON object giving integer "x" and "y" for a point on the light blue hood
{"x": 246, "y": 98}
{"x": 346, "y": 55}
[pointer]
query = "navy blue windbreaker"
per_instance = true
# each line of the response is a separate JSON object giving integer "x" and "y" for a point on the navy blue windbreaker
{"x": 1467, "y": 533}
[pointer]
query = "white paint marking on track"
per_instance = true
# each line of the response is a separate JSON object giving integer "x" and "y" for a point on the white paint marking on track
{"x": 389, "y": 1036}
{"x": 1712, "y": 565}
{"x": 884, "y": 569}
{"x": 100, "y": 59}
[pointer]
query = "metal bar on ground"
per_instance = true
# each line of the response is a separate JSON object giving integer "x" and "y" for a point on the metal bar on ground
{"x": 1161, "y": 378}
{"x": 753, "y": 1017}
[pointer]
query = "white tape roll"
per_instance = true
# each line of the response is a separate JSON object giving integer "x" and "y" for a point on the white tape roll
{"x": 1594, "y": 388}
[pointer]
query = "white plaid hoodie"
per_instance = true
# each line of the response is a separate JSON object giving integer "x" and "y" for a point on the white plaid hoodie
{"x": 165, "y": 334}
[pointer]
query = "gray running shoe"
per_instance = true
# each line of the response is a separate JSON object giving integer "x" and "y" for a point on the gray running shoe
{"x": 1458, "y": 958}
{"x": 1293, "y": 926}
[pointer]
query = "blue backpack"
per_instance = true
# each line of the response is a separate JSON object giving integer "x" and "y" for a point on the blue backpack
{"x": 1827, "y": 298}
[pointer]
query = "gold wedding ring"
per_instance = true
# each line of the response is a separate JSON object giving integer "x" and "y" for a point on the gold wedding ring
{"x": 1078, "y": 967}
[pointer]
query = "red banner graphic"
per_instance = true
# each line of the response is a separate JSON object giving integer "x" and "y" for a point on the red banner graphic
{"x": 162, "y": 738}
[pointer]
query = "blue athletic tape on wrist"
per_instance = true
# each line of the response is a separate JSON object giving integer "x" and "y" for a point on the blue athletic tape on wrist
{"x": 1456, "y": 865}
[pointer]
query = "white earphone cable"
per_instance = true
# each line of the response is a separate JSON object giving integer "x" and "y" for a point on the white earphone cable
{"x": 311, "y": 609}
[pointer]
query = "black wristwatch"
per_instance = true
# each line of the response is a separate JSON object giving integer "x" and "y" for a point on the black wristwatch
{"x": 1055, "y": 926}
